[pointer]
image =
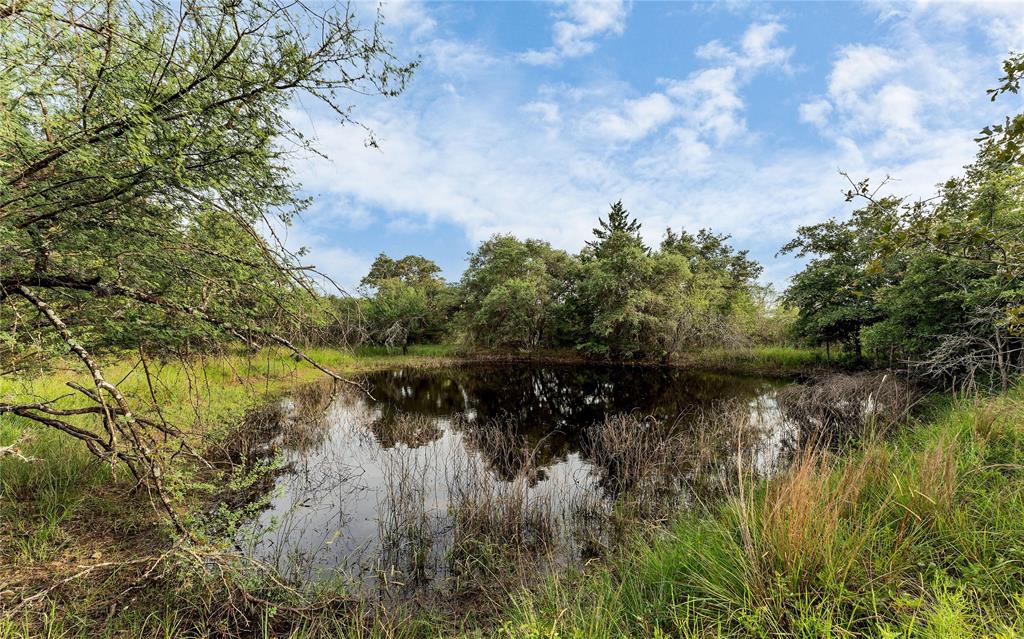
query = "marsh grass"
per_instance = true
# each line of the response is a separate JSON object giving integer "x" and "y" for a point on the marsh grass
{"x": 916, "y": 536}
{"x": 840, "y": 408}
{"x": 451, "y": 531}
{"x": 64, "y": 509}
{"x": 504, "y": 533}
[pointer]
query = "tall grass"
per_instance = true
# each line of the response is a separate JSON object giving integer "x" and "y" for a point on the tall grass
{"x": 920, "y": 536}
{"x": 64, "y": 508}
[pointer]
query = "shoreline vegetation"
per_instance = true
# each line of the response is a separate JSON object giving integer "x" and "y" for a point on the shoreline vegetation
{"x": 920, "y": 532}
{"x": 150, "y": 310}
{"x": 916, "y": 535}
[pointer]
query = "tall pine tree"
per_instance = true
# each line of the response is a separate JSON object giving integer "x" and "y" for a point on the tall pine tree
{"x": 618, "y": 227}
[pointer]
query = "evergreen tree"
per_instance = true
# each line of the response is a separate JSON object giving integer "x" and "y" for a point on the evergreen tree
{"x": 618, "y": 223}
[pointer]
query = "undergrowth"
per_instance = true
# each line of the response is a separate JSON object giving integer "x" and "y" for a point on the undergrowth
{"x": 918, "y": 536}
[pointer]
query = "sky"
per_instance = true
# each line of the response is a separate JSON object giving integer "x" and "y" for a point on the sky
{"x": 531, "y": 118}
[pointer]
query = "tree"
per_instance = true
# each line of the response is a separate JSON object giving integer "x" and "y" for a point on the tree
{"x": 626, "y": 302}
{"x": 618, "y": 223}
{"x": 1005, "y": 141}
{"x": 722, "y": 296}
{"x": 143, "y": 150}
{"x": 953, "y": 306}
{"x": 411, "y": 269}
{"x": 410, "y": 302}
{"x": 512, "y": 293}
{"x": 398, "y": 313}
{"x": 837, "y": 292}
{"x": 935, "y": 284}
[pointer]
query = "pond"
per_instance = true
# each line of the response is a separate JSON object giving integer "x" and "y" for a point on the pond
{"x": 434, "y": 479}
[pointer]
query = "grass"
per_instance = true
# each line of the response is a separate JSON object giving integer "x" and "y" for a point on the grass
{"x": 921, "y": 536}
{"x": 764, "y": 360}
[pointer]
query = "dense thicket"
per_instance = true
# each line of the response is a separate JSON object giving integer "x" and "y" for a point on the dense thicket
{"x": 935, "y": 284}
{"x": 618, "y": 298}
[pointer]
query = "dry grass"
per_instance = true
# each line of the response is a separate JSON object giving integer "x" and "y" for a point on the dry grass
{"x": 839, "y": 408}
{"x": 806, "y": 519}
{"x": 452, "y": 533}
{"x": 633, "y": 452}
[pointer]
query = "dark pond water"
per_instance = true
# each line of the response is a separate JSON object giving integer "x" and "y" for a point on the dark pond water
{"x": 388, "y": 487}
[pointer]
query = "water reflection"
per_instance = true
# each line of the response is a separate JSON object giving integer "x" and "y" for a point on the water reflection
{"x": 404, "y": 487}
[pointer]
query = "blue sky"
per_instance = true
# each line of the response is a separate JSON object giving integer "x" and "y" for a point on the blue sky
{"x": 530, "y": 118}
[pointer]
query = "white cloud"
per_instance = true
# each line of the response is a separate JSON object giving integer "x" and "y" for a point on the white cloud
{"x": 707, "y": 102}
{"x": 580, "y": 23}
{"x": 816, "y": 112}
{"x": 683, "y": 155}
{"x": 1001, "y": 21}
{"x": 453, "y": 57}
{"x": 857, "y": 68}
{"x": 898, "y": 107}
{"x": 410, "y": 23}
{"x": 710, "y": 102}
{"x": 895, "y": 97}
{"x": 548, "y": 112}
{"x": 409, "y": 16}
{"x": 636, "y": 119}
{"x": 757, "y": 48}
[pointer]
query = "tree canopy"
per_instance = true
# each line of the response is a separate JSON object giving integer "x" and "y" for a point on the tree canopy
{"x": 935, "y": 284}
{"x": 144, "y": 159}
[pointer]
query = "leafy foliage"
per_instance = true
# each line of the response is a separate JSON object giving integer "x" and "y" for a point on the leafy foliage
{"x": 512, "y": 292}
{"x": 836, "y": 291}
{"x": 627, "y": 300}
{"x": 936, "y": 284}
{"x": 143, "y": 168}
{"x": 410, "y": 301}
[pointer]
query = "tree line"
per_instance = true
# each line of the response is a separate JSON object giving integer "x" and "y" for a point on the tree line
{"x": 933, "y": 286}
{"x": 617, "y": 298}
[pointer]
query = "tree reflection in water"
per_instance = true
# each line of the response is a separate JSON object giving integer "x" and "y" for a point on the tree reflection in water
{"x": 389, "y": 468}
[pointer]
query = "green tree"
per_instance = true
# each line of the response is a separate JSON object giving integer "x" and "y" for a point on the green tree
{"x": 512, "y": 293}
{"x": 935, "y": 284}
{"x": 411, "y": 269}
{"x": 837, "y": 291}
{"x": 723, "y": 300}
{"x": 142, "y": 153}
{"x": 618, "y": 222}
{"x": 410, "y": 302}
{"x": 626, "y": 301}
{"x": 1005, "y": 141}
{"x": 953, "y": 306}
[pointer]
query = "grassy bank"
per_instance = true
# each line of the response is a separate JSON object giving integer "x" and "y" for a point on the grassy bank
{"x": 62, "y": 510}
{"x": 920, "y": 536}
{"x": 916, "y": 535}
{"x": 781, "y": 361}
{"x": 771, "y": 361}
